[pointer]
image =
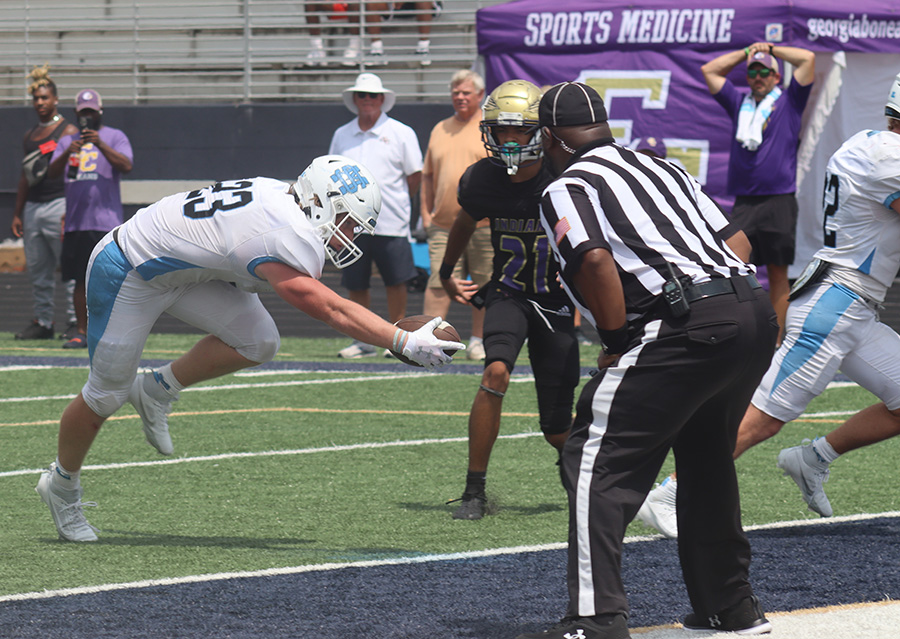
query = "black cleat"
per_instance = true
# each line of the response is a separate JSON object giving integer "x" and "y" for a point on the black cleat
{"x": 472, "y": 506}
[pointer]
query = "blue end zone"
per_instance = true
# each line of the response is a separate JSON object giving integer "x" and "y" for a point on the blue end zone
{"x": 496, "y": 597}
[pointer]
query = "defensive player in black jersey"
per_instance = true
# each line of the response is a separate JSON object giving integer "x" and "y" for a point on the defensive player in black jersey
{"x": 524, "y": 300}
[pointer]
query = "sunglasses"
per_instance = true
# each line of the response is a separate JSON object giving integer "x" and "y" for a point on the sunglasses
{"x": 362, "y": 95}
{"x": 763, "y": 73}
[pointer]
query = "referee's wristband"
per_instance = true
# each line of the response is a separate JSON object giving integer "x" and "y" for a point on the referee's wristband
{"x": 614, "y": 342}
{"x": 446, "y": 271}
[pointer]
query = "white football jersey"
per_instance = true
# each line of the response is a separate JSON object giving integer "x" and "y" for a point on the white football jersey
{"x": 862, "y": 232}
{"x": 222, "y": 232}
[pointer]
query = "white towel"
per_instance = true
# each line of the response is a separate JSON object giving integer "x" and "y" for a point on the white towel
{"x": 752, "y": 119}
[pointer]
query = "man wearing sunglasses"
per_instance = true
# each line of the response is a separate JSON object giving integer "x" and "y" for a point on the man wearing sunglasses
{"x": 762, "y": 167}
{"x": 391, "y": 150}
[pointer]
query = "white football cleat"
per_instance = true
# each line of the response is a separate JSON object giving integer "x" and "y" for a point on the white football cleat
{"x": 67, "y": 512}
{"x": 658, "y": 510}
{"x": 808, "y": 475}
{"x": 154, "y": 413}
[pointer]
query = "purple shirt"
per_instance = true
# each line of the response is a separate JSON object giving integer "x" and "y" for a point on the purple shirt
{"x": 93, "y": 202}
{"x": 772, "y": 168}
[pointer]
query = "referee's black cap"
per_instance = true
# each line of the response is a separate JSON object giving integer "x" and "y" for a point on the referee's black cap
{"x": 571, "y": 104}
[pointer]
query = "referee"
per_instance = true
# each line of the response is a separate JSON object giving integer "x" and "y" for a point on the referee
{"x": 688, "y": 332}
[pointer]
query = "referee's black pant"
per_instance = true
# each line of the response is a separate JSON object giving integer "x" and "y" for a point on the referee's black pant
{"x": 685, "y": 386}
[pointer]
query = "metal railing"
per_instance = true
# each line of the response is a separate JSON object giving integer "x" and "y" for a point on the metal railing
{"x": 195, "y": 51}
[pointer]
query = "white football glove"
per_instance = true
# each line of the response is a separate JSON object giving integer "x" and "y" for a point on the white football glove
{"x": 424, "y": 348}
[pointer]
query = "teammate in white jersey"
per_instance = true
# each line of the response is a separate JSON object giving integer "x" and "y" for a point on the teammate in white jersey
{"x": 832, "y": 322}
{"x": 201, "y": 256}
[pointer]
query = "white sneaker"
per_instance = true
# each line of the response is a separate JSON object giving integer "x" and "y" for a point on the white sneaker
{"x": 315, "y": 58}
{"x": 351, "y": 54}
{"x": 475, "y": 351}
{"x": 154, "y": 413}
{"x": 423, "y": 52}
{"x": 658, "y": 510}
{"x": 357, "y": 350}
{"x": 67, "y": 512}
{"x": 376, "y": 54}
{"x": 801, "y": 463}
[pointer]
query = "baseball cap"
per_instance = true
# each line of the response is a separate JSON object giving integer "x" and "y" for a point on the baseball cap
{"x": 765, "y": 59}
{"x": 653, "y": 145}
{"x": 571, "y": 104}
{"x": 88, "y": 99}
{"x": 369, "y": 83}
{"x": 892, "y": 109}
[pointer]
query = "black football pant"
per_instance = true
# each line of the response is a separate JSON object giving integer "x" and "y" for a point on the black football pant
{"x": 685, "y": 386}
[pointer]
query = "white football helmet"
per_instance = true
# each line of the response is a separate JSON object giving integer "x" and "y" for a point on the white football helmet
{"x": 513, "y": 103}
{"x": 331, "y": 189}
{"x": 892, "y": 108}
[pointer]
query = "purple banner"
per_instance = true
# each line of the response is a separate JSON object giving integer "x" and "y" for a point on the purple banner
{"x": 576, "y": 26}
{"x": 645, "y": 58}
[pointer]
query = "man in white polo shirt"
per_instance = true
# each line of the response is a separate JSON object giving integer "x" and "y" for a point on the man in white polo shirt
{"x": 391, "y": 150}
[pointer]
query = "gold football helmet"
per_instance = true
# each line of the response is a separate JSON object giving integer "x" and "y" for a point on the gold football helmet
{"x": 513, "y": 103}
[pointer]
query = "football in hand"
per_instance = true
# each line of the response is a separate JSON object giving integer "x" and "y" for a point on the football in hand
{"x": 444, "y": 331}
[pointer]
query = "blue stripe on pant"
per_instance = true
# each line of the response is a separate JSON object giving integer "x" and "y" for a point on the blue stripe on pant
{"x": 108, "y": 270}
{"x": 819, "y": 323}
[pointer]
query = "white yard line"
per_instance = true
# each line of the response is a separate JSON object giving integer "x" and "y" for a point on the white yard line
{"x": 418, "y": 559}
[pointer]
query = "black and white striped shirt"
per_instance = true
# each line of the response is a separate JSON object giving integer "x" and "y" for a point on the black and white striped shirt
{"x": 645, "y": 212}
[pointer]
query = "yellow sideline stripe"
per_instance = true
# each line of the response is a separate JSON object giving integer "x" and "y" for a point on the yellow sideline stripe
{"x": 287, "y": 409}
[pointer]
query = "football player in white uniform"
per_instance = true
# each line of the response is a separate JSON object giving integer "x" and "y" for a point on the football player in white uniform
{"x": 201, "y": 256}
{"x": 832, "y": 322}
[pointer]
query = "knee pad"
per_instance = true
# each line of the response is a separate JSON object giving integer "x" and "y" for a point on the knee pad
{"x": 104, "y": 401}
{"x": 265, "y": 344}
{"x": 555, "y": 408}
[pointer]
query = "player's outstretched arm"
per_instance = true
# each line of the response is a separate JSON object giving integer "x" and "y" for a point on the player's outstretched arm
{"x": 320, "y": 302}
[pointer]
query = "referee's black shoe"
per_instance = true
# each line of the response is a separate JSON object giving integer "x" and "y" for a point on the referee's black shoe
{"x": 584, "y": 628}
{"x": 746, "y": 617}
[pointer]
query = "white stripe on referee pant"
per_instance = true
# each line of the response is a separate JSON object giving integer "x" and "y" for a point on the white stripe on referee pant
{"x": 603, "y": 397}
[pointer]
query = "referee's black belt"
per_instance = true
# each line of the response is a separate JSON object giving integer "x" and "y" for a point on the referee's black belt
{"x": 718, "y": 286}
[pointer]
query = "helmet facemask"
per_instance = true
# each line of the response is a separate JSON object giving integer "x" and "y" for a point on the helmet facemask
{"x": 512, "y": 104}
{"x": 342, "y": 200}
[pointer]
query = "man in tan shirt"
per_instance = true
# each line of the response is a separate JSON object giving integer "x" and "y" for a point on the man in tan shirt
{"x": 454, "y": 145}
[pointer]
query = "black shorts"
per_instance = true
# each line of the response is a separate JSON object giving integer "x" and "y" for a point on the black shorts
{"x": 392, "y": 255}
{"x": 77, "y": 247}
{"x": 770, "y": 223}
{"x": 552, "y": 349}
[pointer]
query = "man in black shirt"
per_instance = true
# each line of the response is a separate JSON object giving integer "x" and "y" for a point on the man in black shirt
{"x": 523, "y": 300}
{"x": 41, "y": 205}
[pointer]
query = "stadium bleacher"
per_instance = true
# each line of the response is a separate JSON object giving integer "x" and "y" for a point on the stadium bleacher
{"x": 170, "y": 51}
